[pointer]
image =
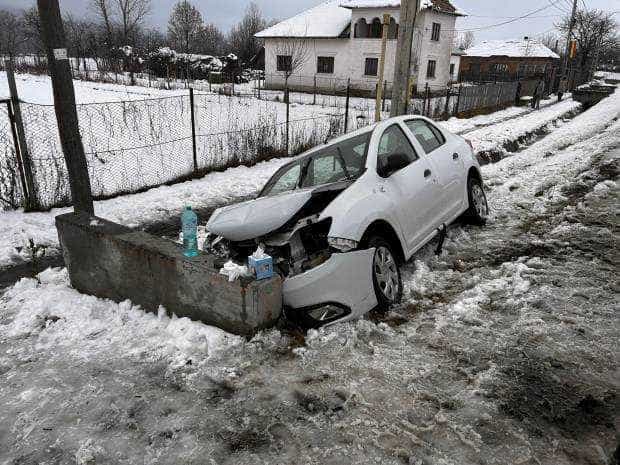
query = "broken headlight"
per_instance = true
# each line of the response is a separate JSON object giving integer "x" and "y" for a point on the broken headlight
{"x": 344, "y": 245}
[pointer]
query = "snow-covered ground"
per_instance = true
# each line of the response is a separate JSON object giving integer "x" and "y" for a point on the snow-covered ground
{"x": 504, "y": 351}
{"x": 17, "y": 227}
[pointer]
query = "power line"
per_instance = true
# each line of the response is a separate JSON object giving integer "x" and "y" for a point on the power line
{"x": 517, "y": 18}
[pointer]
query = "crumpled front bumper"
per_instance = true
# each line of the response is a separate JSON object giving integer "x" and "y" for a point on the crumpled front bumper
{"x": 345, "y": 279}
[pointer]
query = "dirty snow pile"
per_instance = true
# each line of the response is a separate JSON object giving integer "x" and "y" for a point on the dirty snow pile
{"x": 504, "y": 351}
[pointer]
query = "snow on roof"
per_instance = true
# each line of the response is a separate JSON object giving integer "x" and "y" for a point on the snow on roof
{"x": 328, "y": 19}
{"x": 443, "y": 6}
{"x": 331, "y": 18}
{"x": 511, "y": 48}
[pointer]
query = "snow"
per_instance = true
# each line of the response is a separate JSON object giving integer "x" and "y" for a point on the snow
{"x": 511, "y": 48}
{"x": 325, "y": 20}
{"x": 331, "y": 18}
{"x": 215, "y": 189}
{"x": 503, "y": 351}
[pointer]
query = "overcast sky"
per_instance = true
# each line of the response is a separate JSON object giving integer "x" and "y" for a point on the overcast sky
{"x": 483, "y": 12}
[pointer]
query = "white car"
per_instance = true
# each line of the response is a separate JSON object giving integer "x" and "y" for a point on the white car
{"x": 339, "y": 219}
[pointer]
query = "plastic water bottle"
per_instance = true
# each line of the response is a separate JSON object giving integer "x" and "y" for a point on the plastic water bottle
{"x": 189, "y": 224}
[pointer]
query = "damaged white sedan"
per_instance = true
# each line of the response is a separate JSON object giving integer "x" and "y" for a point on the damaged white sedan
{"x": 339, "y": 219}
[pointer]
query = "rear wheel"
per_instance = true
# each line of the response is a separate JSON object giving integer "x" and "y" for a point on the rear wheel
{"x": 478, "y": 211}
{"x": 386, "y": 276}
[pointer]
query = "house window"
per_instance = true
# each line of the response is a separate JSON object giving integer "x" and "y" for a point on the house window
{"x": 436, "y": 32}
{"x": 371, "y": 67}
{"x": 284, "y": 63}
{"x": 325, "y": 65}
{"x": 452, "y": 69}
{"x": 430, "y": 69}
{"x": 499, "y": 68}
{"x": 522, "y": 69}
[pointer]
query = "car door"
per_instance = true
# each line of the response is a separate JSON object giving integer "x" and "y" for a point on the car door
{"x": 413, "y": 190}
{"x": 446, "y": 162}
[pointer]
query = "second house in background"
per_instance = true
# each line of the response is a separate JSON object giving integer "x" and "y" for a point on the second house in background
{"x": 341, "y": 39}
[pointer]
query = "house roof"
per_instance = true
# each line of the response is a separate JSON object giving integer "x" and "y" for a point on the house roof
{"x": 457, "y": 51}
{"x": 330, "y": 19}
{"x": 326, "y": 20}
{"x": 511, "y": 48}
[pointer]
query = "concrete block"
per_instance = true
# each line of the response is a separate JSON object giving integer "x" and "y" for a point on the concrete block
{"x": 111, "y": 261}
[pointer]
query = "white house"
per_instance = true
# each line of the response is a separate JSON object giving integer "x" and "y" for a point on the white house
{"x": 341, "y": 39}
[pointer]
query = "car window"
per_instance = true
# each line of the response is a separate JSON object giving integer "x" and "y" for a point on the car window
{"x": 345, "y": 159}
{"x": 394, "y": 141}
{"x": 323, "y": 170}
{"x": 429, "y": 137}
{"x": 287, "y": 180}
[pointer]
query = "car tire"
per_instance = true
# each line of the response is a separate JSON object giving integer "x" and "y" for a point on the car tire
{"x": 478, "y": 211}
{"x": 386, "y": 276}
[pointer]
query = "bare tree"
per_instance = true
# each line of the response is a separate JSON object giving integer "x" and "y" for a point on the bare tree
{"x": 11, "y": 36}
{"x": 466, "y": 40}
{"x": 241, "y": 37}
{"x": 132, "y": 14}
{"x": 595, "y": 30}
{"x": 122, "y": 18}
{"x": 103, "y": 11}
{"x": 185, "y": 26}
{"x": 32, "y": 32}
{"x": 291, "y": 55}
{"x": 211, "y": 40}
{"x": 551, "y": 41}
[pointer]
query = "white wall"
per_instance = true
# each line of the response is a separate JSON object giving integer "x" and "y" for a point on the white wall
{"x": 440, "y": 51}
{"x": 456, "y": 61}
{"x": 350, "y": 54}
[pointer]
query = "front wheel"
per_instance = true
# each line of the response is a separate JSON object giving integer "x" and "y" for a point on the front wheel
{"x": 478, "y": 211}
{"x": 386, "y": 276}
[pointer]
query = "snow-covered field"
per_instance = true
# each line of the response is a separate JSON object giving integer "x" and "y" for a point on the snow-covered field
{"x": 136, "y": 137}
{"x": 504, "y": 352}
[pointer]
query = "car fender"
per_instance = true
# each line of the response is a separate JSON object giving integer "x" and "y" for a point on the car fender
{"x": 357, "y": 208}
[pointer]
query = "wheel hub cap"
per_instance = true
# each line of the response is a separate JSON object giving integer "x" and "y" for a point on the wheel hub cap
{"x": 386, "y": 272}
{"x": 480, "y": 201}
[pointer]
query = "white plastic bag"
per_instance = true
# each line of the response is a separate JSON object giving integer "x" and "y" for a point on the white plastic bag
{"x": 234, "y": 271}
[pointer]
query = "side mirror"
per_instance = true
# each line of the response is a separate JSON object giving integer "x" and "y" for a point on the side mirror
{"x": 395, "y": 162}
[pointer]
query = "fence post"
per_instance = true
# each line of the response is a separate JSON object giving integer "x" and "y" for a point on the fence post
{"x": 383, "y": 99}
{"x": 426, "y": 112}
{"x": 286, "y": 99}
{"x": 259, "y": 87}
{"x": 31, "y": 194}
{"x": 314, "y": 92}
{"x": 346, "y": 111}
{"x": 458, "y": 100}
{"x": 22, "y": 177}
{"x": 194, "y": 151}
{"x": 447, "y": 109}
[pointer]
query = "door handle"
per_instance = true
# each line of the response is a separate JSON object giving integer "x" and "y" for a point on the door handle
{"x": 427, "y": 173}
{"x": 455, "y": 156}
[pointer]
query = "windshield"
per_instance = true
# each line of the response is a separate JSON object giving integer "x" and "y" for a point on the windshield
{"x": 337, "y": 162}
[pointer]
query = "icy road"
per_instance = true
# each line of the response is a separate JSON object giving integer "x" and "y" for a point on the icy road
{"x": 505, "y": 352}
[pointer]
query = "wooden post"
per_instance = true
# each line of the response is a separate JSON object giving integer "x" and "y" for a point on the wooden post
{"x": 447, "y": 107}
{"x": 314, "y": 92}
{"x": 346, "y": 111}
{"x": 194, "y": 151}
{"x": 458, "y": 100}
{"x": 386, "y": 27}
{"x": 402, "y": 68}
{"x": 30, "y": 195}
{"x": 384, "y": 92}
{"x": 259, "y": 87}
{"x": 64, "y": 104}
{"x": 286, "y": 98}
{"x": 425, "y": 99}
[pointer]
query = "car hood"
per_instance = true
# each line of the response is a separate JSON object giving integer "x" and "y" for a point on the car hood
{"x": 255, "y": 218}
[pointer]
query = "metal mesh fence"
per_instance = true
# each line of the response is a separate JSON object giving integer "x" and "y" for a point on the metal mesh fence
{"x": 10, "y": 187}
{"x": 134, "y": 145}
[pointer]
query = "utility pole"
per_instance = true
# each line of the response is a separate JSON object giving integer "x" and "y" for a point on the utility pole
{"x": 571, "y": 26}
{"x": 402, "y": 68}
{"x": 64, "y": 104}
{"x": 386, "y": 30}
